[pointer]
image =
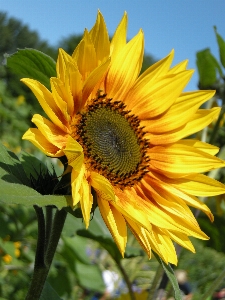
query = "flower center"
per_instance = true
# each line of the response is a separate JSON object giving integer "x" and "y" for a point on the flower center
{"x": 113, "y": 141}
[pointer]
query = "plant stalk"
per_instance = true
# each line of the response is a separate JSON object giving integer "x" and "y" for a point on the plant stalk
{"x": 45, "y": 250}
{"x": 127, "y": 280}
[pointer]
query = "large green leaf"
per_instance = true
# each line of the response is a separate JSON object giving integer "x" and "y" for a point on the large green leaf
{"x": 33, "y": 64}
{"x": 207, "y": 68}
{"x": 221, "y": 44}
{"x": 49, "y": 293}
{"x": 12, "y": 193}
{"x": 169, "y": 272}
{"x": 11, "y": 169}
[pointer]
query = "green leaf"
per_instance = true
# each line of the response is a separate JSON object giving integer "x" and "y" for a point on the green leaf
{"x": 11, "y": 169}
{"x": 106, "y": 242}
{"x": 12, "y": 193}
{"x": 33, "y": 64}
{"x": 169, "y": 272}
{"x": 49, "y": 293}
{"x": 221, "y": 44}
{"x": 77, "y": 246}
{"x": 89, "y": 276}
{"x": 207, "y": 68}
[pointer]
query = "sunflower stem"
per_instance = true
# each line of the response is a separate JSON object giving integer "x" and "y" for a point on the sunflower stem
{"x": 158, "y": 275}
{"x": 127, "y": 280}
{"x": 46, "y": 247}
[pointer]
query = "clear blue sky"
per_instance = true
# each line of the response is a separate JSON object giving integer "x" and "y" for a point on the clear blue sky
{"x": 185, "y": 25}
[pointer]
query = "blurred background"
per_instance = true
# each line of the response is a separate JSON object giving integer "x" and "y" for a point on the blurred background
{"x": 187, "y": 27}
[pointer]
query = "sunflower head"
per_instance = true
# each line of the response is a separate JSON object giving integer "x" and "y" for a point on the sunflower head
{"x": 124, "y": 139}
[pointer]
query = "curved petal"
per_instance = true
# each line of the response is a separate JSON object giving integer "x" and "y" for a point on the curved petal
{"x": 37, "y": 138}
{"x": 115, "y": 222}
{"x": 102, "y": 186}
{"x": 74, "y": 154}
{"x": 100, "y": 37}
{"x": 125, "y": 68}
{"x": 170, "y": 160}
{"x": 151, "y": 100}
{"x": 179, "y": 113}
{"x": 119, "y": 38}
{"x": 46, "y": 101}
{"x": 86, "y": 200}
{"x": 140, "y": 234}
{"x": 201, "y": 119}
{"x": 52, "y": 133}
{"x": 85, "y": 55}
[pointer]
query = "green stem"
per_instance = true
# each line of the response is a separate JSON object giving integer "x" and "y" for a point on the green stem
{"x": 48, "y": 225}
{"x": 40, "y": 250}
{"x": 158, "y": 275}
{"x": 216, "y": 283}
{"x": 41, "y": 268}
{"x": 127, "y": 280}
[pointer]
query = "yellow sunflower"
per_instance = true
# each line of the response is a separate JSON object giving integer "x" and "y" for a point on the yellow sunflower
{"x": 123, "y": 135}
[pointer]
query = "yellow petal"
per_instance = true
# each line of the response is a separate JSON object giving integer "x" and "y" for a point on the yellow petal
{"x": 75, "y": 83}
{"x": 169, "y": 184}
{"x": 154, "y": 99}
{"x": 74, "y": 154}
{"x": 100, "y": 39}
{"x": 119, "y": 38}
{"x": 37, "y": 138}
{"x": 115, "y": 223}
{"x": 181, "y": 159}
{"x": 94, "y": 79}
{"x": 129, "y": 204}
{"x": 61, "y": 96}
{"x": 61, "y": 64}
{"x": 199, "y": 185}
{"x": 76, "y": 181}
{"x": 181, "y": 239}
{"x": 46, "y": 101}
{"x": 102, "y": 186}
{"x": 51, "y": 132}
{"x": 210, "y": 149}
{"x": 140, "y": 234}
{"x": 85, "y": 55}
{"x": 86, "y": 201}
{"x": 125, "y": 68}
{"x": 199, "y": 120}
{"x": 179, "y": 113}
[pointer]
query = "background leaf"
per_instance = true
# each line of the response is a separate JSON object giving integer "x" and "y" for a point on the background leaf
{"x": 49, "y": 293}
{"x": 207, "y": 68}
{"x": 33, "y": 64}
{"x": 10, "y": 164}
{"x": 221, "y": 44}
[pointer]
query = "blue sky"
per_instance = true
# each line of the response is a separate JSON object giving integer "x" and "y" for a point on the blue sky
{"x": 185, "y": 25}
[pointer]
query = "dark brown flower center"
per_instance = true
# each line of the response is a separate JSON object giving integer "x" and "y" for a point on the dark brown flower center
{"x": 113, "y": 141}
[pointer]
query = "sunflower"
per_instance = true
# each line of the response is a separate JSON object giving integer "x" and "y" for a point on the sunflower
{"x": 122, "y": 135}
